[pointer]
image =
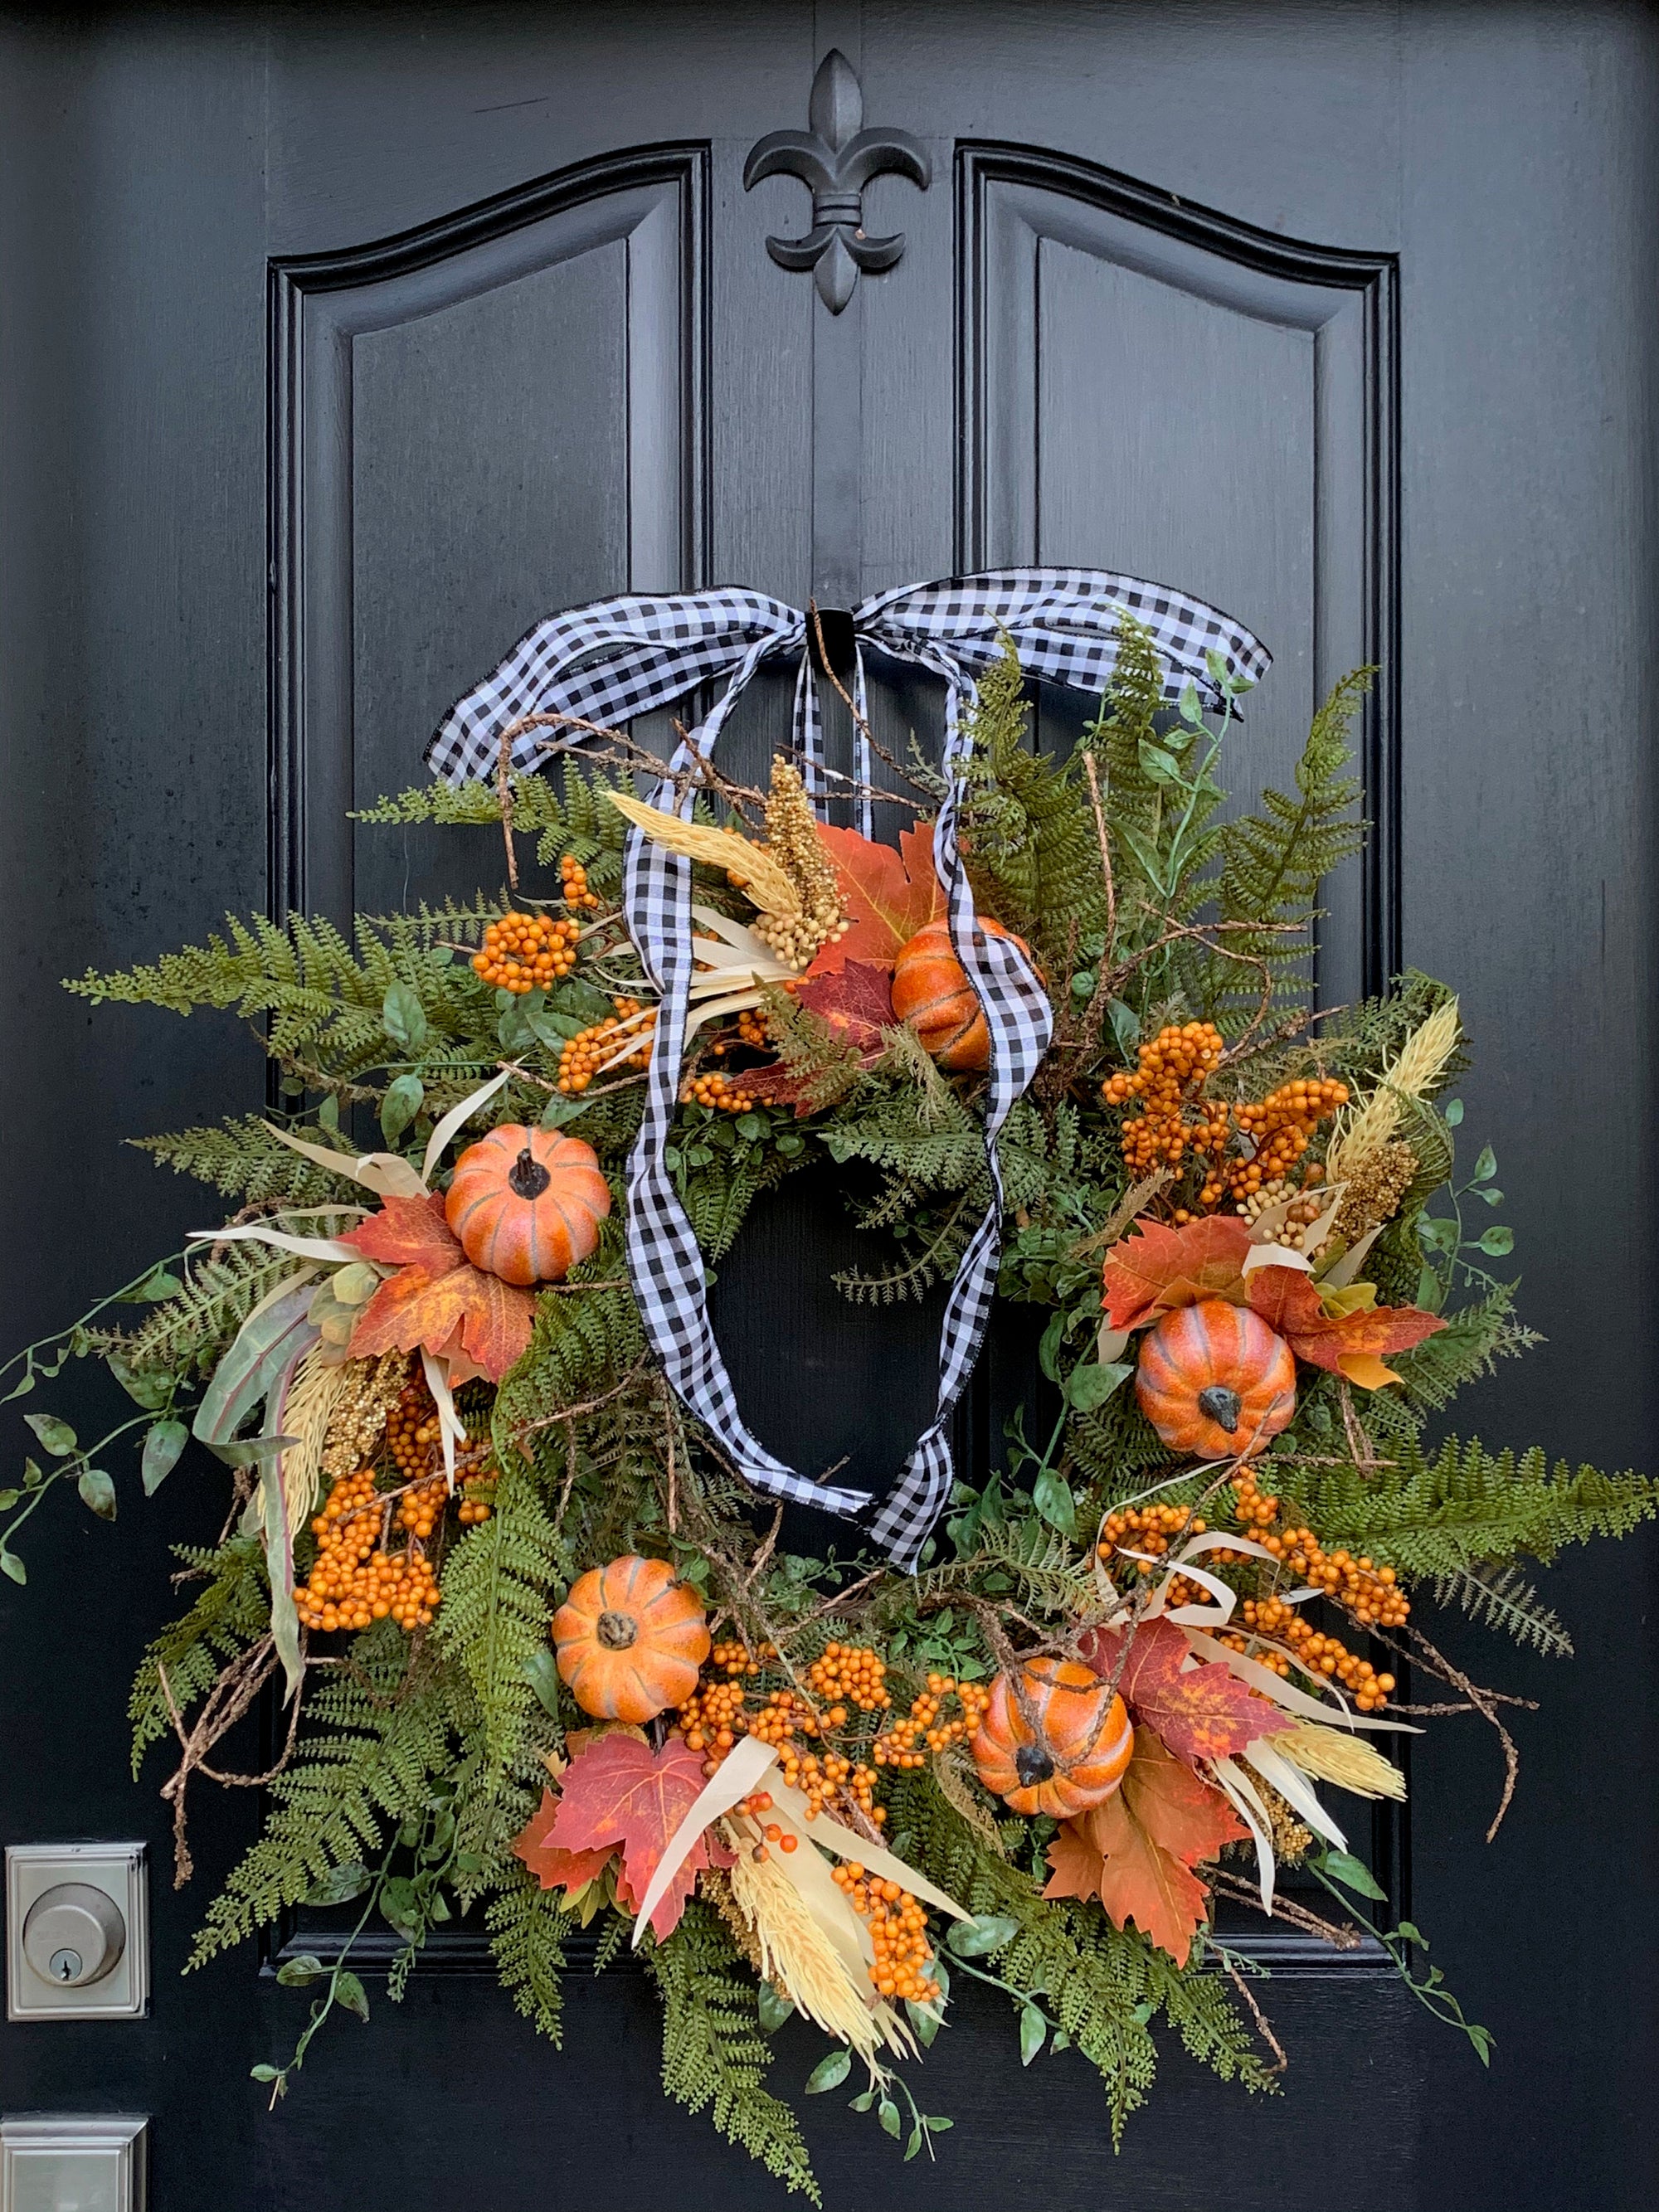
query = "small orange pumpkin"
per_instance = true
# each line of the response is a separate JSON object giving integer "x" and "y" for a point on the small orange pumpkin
{"x": 526, "y": 1204}
{"x": 1215, "y": 1380}
{"x": 629, "y": 1639}
{"x": 931, "y": 991}
{"x": 1074, "y": 1758}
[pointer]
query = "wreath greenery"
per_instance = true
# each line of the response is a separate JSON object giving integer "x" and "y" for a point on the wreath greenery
{"x": 1089, "y": 1712}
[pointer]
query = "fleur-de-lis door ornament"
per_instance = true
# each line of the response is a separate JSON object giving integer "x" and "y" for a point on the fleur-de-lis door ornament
{"x": 836, "y": 158}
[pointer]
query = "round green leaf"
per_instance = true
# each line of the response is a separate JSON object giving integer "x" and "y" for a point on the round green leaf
{"x": 830, "y": 2072}
{"x": 163, "y": 1446}
{"x": 977, "y": 1939}
{"x": 1497, "y": 1240}
{"x": 403, "y": 1099}
{"x": 56, "y": 1436}
{"x": 97, "y": 1493}
{"x": 404, "y": 1018}
{"x": 13, "y": 1567}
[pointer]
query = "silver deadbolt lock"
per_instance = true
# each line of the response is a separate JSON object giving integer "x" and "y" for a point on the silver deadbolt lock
{"x": 77, "y": 1939}
{"x": 73, "y": 1935}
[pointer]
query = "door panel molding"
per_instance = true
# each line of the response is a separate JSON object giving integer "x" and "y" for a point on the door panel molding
{"x": 1016, "y": 204}
{"x": 652, "y": 201}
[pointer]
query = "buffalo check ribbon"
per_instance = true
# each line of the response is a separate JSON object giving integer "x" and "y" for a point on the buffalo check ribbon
{"x": 615, "y": 659}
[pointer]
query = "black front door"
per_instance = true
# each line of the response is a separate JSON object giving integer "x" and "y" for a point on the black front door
{"x": 338, "y": 345}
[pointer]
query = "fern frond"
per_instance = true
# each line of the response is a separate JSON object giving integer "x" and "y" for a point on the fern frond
{"x": 713, "y": 2054}
{"x": 231, "y": 1612}
{"x": 242, "y": 1158}
{"x": 186, "y": 1334}
{"x": 1505, "y": 1600}
{"x": 528, "y": 1927}
{"x": 498, "y": 1596}
{"x": 1465, "y": 1508}
{"x": 378, "y": 1740}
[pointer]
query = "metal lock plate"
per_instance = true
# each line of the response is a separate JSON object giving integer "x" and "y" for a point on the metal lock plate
{"x": 72, "y": 2165}
{"x": 77, "y": 1935}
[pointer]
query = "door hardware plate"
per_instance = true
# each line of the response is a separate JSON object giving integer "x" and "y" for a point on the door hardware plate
{"x": 49, "y": 2164}
{"x": 85, "y": 1954}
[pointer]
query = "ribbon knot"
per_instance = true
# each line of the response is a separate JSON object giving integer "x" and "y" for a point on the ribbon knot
{"x": 615, "y": 659}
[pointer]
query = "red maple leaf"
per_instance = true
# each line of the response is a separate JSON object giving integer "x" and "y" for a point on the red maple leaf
{"x": 437, "y": 1299}
{"x": 855, "y": 1000}
{"x": 1200, "y": 1713}
{"x": 553, "y": 1867}
{"x": 1343, "y": 1344}
{"x": 887, "y": 896}
{"x": 1159, "y": 1268}
{"x": 855, "y": 1003}
{"x": 1136, "y": 1852}
{"x": 617, "y": 1794}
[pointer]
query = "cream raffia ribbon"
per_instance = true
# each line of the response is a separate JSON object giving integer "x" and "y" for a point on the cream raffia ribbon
{"x": 388, "y": 1174}
{"x": 738, "y": 1774}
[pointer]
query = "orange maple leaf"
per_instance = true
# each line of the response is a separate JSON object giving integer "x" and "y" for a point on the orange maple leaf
{"x": 1145, "y": 1841}
{"x": 617, "y": 1794}
{"x": 553, "y": 1867}
{"x": 1159, "y": 1268}
{"x": 1342, "y": 1344}
{"x": 887, "y": 896}
{"x": 437, "y": 1299}
{"x": 1198, "y": 1712}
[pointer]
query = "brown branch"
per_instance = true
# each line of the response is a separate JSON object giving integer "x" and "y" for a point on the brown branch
{"x": 1260, "y": 2019}
{"x": 1285, "y": 1908}
{"x": 225, "y": 1702}
{"x": 862, "y": 724}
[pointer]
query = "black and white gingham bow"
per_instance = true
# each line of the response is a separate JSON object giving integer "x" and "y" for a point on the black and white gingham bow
{"x": 616, "y": 658}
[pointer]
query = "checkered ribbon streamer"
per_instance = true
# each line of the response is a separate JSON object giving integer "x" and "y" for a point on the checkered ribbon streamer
{"x": 606, "y": 663}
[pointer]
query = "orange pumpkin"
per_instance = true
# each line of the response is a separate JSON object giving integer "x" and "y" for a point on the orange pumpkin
{"x": 1215, "y": 1380}
{"x": 1076, "y": 1755}
{"x": 931, "y": 991}
{"x": 629, "y": 1639}
{"x": 526, "y": 1204}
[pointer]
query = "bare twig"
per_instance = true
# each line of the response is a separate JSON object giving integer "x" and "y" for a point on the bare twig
{"x": 1285, "y": 1908}
{"x": 225, "y": 1702}
{"x": 1259, "y": 2018}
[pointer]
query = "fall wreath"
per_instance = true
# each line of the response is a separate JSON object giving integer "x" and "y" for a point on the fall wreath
{"x": 540, "y": 1657}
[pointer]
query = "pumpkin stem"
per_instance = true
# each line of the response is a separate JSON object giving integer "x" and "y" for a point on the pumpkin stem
{"x": 527, "y": 1176}
{"x": 1033, "y": 1764}
{"x": 617, "y": 1631}
{"x": 1222, "y": 1405}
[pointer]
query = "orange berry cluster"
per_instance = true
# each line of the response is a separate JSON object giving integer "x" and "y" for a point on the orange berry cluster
{"x": 1147, "y": 1528}
{"x": 574, "y": 878}
{"x": 896, "y": 1745}
{"x": 712, "y": 1719}
{"x": 853, "y": 1673}
{"x": 757, "y": 1804}
{"x": 1371, "y": 1592}
{"x": 734, "y": 1658}
{"x": 1278, "y": 1128}
{"x": 353, "y": 1583}
{"x": 716, "y": 1714}
{"x": 525, "y": 952}
{"x": 591, "y": 1049}
{"x": 1321, "y": 1654}
{"x": 898, "y": 1933}
{"x": 412, "y": 1435}
{"x": 752, "y": 1032}
{"x": 716, "y": 1091}
{"x": 1176, "y": 1118}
